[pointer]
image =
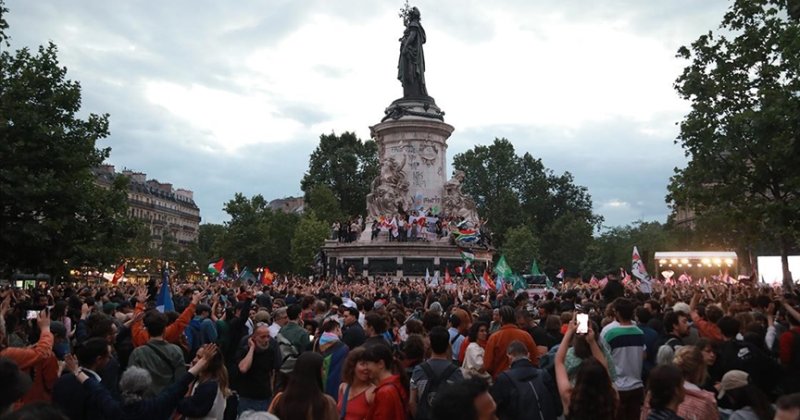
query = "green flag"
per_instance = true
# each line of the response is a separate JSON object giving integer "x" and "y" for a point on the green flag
{"x": 535, "y": 269}
{"x": 503, "y": 269}
{"x": 518, "y": 282}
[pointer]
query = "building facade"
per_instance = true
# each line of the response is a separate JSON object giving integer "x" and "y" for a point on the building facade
{"x": 166, "y": 211}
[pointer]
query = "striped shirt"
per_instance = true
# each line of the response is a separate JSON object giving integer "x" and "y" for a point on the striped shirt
{"x": 627, "y": 350}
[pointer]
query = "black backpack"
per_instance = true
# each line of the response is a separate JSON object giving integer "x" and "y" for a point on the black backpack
{"x": 434, "y": 382}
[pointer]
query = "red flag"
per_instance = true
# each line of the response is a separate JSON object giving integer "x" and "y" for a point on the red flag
{"x": 118, "y": 274}
{"x": 266, "y": 277}
{"x": 487, "y": 281}
{"x": 447, "y": 279}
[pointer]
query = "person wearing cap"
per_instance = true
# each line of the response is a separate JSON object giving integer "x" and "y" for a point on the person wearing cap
{"x": 746, "y": 401}
{"x": 13, "y": 384}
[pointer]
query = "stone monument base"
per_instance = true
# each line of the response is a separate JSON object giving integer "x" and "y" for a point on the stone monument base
{"x": 401, "y": 259}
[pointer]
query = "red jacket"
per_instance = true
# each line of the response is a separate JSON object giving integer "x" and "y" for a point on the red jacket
{"x": 785, "y": 345}
{"x": 495, "y": 359}
{"x": 391, "y": 400}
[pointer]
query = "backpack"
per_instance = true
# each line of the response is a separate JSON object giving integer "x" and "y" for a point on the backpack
{"x": 289, "y": 353}
{"x": 431, "y": 387}
{"x": 195, "y": 336}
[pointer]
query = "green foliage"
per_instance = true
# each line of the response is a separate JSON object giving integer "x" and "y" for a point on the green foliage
{"x": 520, "y": 248}
{"x": 307, "y": 241}
{"x": 208, "y": 240}
{"x": 347, "y": 166}
{"x": 255, "y": 235}
{"x": 613, "y": 248}
{"x": 741, "y": 135}
{"x": 512, "y": 190}
{"x": 321, "y": 200}
{"x": 53, "y": 212}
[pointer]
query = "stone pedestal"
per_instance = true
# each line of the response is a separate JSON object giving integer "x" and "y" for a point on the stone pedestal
{"x": 414, "y": 136}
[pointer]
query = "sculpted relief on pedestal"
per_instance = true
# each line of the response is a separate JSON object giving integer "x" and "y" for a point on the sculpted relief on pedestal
{"x": 456, "y": 203}
{"x": 389, "y": 192}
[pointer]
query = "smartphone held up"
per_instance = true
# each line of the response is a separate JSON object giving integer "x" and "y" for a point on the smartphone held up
{"x": 583, "y": 324}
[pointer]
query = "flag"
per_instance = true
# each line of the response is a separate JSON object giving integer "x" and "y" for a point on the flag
{"x": 428, "y": 280}
{"x": 503, "y": 271}
{"x": 236, "y": 270}
{"x": 486, "y": 281}
{"x": 603, "y": 281}
{"x": 118, "y": 273}
{"x": 467, "y": 256}
{"x": 500, "y": 284}
{"x": 435, "y": 280}
{"x": 560, "y": 274}
{"x": 216, "y": 267}
{"x": 246, "y": 274}
{"x": 266, "y": 277}
{"x": 459, "y": 270}
{"x": 640, "y": 271}
{"x": 593, "y": 281}
{"x": 535, "y": 269}
{"x": 447, "y": 279}
{"x": 164, "y": 299}
{"x": 517, "y": 282}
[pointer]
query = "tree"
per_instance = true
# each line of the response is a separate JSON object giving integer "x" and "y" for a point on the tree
{"x": 52, "y": 210}
{"x": 209, "y": 240}
{"x": 307, "y": 241}
{"x": 512, "y": 191}
{"x": 347, "y": 166}
{"x": 520, "y": 248}
{"x": 742, "y": 132}
{"x": 256, "y": 235}
{"x": 613, "y": 248}
{"x": 321, "y": 200}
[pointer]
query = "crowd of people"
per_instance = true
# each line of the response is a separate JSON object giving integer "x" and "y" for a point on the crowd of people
{"x": 399, "y": 349}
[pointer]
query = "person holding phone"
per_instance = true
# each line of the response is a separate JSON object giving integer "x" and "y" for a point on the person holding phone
{"x": 27, "y": 357}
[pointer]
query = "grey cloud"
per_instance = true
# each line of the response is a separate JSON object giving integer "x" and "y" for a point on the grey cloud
{"x": 611, "y": 159}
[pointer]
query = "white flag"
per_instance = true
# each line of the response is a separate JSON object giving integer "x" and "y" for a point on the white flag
{"x": 640, "y": 271}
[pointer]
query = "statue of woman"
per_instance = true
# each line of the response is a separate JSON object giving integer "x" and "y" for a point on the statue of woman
{"x": 411, "y": 67}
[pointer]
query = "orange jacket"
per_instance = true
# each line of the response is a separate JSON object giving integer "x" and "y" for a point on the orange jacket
{"x": 27, "y": 357}
{"x": 495, "y": 359}
{"x": 172, "y": 333}
{"x": 707, "y": 329}
{"x": 45, "y": 374}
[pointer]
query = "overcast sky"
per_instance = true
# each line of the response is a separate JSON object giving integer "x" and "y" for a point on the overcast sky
{"x": 231, "y": 96}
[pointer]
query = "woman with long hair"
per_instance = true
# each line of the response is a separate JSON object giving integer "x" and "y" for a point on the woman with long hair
{"x": 593, "y": 396}
{"x": 473, "y": 355}
{"x": 391, "y": 398}
{"x": 303, "y": 398}
{"x": 709, "y": 353}
{"x": 697, "y": 403}
{"x": 209, "y": 392}
{"x": 665, "y": 393}
{"x": 357, "y": 392}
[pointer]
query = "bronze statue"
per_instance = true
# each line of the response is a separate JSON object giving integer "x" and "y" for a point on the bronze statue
{"x": 411, "y": 67}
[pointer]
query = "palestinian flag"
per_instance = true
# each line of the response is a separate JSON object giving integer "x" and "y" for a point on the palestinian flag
{"x": 216, "y": 267}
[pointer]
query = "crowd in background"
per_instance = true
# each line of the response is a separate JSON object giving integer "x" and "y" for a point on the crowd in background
{"x": 400, "y": 349}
